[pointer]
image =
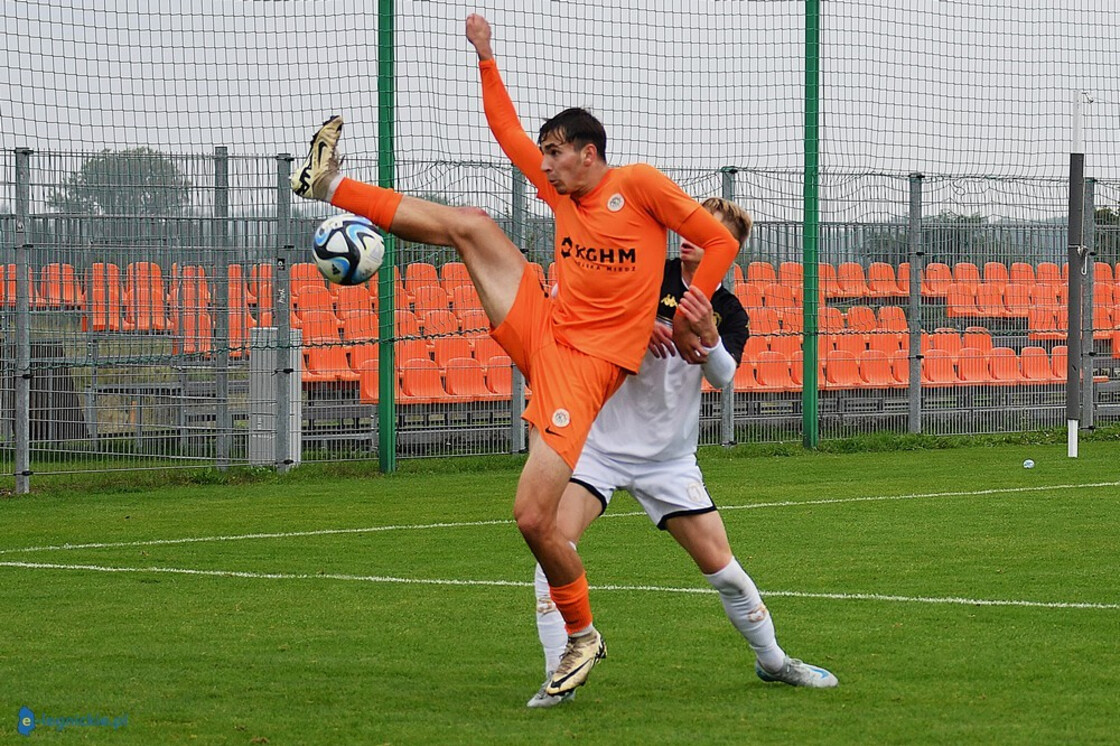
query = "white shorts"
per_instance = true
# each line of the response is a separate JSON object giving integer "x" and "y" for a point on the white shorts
{"x": 664, "y": 490}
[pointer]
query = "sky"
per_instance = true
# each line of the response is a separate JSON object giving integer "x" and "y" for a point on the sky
{"x": 977, "y": 88}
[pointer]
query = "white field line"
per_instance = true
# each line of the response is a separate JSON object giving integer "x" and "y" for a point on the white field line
{"x": 522, "y": 584}
{"x": 500, "y": 522}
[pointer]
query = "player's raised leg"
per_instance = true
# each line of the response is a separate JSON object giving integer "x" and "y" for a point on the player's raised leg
{"x": 704, "y": 537}
{"x": 494, "y": 263}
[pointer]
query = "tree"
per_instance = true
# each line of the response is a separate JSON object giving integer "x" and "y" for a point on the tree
{"x": 1108, "y": 234}
{"x": 139, "y": 181}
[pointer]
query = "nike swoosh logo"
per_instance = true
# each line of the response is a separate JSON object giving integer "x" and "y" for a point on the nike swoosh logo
{"x": 550, "y": 431}
{"x": 555, "y": 683}
{"x": 322, "y": 147}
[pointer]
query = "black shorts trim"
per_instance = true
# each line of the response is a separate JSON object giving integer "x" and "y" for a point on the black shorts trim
{"x": 594, "y": 493}
{"x": 698, "y": 511}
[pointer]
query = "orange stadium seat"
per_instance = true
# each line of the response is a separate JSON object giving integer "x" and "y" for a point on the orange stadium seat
{"x": 936, "y": 279}
{"x": 59, "y": 287}
{"x": 1036, "y": 366}
{"x": 937, "y": 369}
{"x": 830, "y": 320}
{"x": 144, "y": 308}
{"x": 1005, "y": 366}
{"x": 466, "y": 379}
{"x": 103, "y": 307}
{"x": 973, "y": 367}
{"x": 421, "y": 381}
{"x": 368, "y": 381}
{"x": 452, "y": 275}
{"x": 439, "y": 323}
{"x": 474, "y": 321}
{"x": 418, "y": 275}
{"x": 790, "y": 274}
{"x": 841, "y": 370}
{"x": 361, "y": 328}
{"x": 430, "y": 298}
{"x": 444, "y": 349}
{"x": 1047, "y": 273}
{"x": 1017, "y": 299}
{"x": 1021, "y": 273}
{"x": 499, "y": 375}
{"x": 995, "y": 273}
{"x": 904, "y": 279}
{"x": 772, "y": 372}
{"x": 852, "y": 281}
{"x": 826, "y": 280}
{"x": 763, "y": 321}
{"x": 875, "y": 370}
{"x": 966, "y": 273}
{"x": 353, "y": 300}
{"x": 881, "y": 281}
{"x": 761, "y": 273}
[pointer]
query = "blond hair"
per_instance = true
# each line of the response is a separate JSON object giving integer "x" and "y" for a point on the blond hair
{"x": 734, "y": 217}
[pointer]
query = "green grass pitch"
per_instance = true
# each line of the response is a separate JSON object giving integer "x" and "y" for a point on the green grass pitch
{"x": 959, "y": 598}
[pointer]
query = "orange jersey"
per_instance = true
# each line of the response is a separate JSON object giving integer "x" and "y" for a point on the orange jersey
{"x": 610, "y": 243}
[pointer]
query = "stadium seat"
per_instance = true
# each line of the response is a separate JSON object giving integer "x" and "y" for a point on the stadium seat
{"x": 900, "y": 367}
{"x": 904, "y": 279}
{"x": 791, "y": 320}
{"x": 995, "y": 273}
{"x": 772, "y": 372}
{"x": 1047, "y": 273}
{"x": 418, "y": 275}
{"x": 358, "y": 355}
{"x": 989, "y": 301}
{"x": 353, "y": 300}
{"x": 59, "y": 287}
{"x": 1102, "y": 322}
{"x": 830, "y": 320}
{"x": 144, "y": 309}
{"x": 452, "y": 275}
{"x": 1041, "y": 323}
{"x": 973, "y": 367}
{"x": 484, "y": 347}
{"x": 407, "y": 325}
{"x": 1017, "y": 299}
{"x": 1036, "y": 366}
{"x": 960, "y": 301}
{"x": 1102, "y": 273}
{"x": 1044, "y": 295}
{"x": 875, "y": 370}
{"x": 790, "y": 274}
{"x": 749, "y": 295}
{"x": 841, "y": 370}
{"x": 787, "y": 344}
{"x": 195, "y": 335}
{"x": 361, "y": 328}
{"x": 406, "y": 350}
{"x": 744, "y": 379}
{"x": 826, "y": 280}
{"x": 755, "y": 345}
{"x": 764, "y": 321}
{"x": 328, "y": 363}
{"x": 977, "y": 337}
{"x": 886, "y": 342}
{"x": 881, "y": 281}
{"x": 937, "y": 369}
{"x": 439, "y": 323}
{"x": 466, "y": 380}
{"x": 1021, "y": 273}
{"x": 465, "y": 298}
{"x": 936, "y": 279}
{"x": 499, "y": 375}
{"x": 445, "y": 349}
{"x": 777, "y": 296}
{"x": 368, "y": 381}
{"x": 947, "y": 340}
{"x": 850, "y": 342}
{"x": 103, "y": 298}
{"x": 1005, "y": 367}
{"x": 319, "y": 328}
{"x": 474, "y": 321}
{"x": 761, "y": 274}
{"x": 421, "y": 382}
{"x": 852, "y": 281}
{"x": 240, "y": 319}
{"x": 862, "y": 319}
{"x": 303, "y": 275}
{"x": 892, "y": 319}
{"x": 430, "y": 298}
{"x": 1059, "y": 361}
{"x": 966, "y": 273}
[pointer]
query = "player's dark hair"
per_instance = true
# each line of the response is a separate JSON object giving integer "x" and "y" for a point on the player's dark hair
{"x": 579, "y": 127}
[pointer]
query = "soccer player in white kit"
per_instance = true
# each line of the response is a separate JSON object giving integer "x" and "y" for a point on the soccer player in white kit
{"x": 644, "y": 441}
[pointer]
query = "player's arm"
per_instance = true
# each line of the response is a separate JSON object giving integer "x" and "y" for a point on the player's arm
{"x": 718, "y": 363}
{"x": 500, "y": 112}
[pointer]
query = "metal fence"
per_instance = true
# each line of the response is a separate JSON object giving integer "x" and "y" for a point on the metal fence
{"x": 187, "y": 328}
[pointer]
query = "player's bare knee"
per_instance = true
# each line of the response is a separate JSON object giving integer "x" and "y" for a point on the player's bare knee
{"x": 534, "y": 523}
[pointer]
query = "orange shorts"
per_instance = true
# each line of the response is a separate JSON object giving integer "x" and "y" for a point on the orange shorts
{"x": 569, "y": 387}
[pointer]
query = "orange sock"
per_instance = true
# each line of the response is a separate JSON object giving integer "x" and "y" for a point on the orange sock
{"x": 376, "y": 203}
{"x": 574, "y": 603}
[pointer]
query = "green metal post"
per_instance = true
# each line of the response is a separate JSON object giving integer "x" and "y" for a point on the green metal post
{"x": 386, "y": 281}
{"x": 811, "y": 230}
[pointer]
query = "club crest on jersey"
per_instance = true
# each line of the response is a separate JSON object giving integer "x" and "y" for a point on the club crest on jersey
{"x": 561, "y": 418}
{"x": 616, "y": 202}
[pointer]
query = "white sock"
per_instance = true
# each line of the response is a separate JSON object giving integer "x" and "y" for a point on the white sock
{"x": 746, "y": 611}
{"x": 333, "y": 187}
{"x": 550, "y": 625}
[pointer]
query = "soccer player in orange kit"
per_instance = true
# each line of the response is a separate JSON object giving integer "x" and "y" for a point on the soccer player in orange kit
{"x": 574, "y": 348}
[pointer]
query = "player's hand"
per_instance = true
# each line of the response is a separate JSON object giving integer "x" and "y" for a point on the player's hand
{"x": 687, "y": 341}
{"x": 661, "y": 341}
{"x": 698, "y": 310}
{"x": 478, "y": 34}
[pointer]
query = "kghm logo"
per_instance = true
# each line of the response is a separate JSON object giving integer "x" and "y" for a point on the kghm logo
{"x": 597, "y": 255}
{"x": 28, "y": 721}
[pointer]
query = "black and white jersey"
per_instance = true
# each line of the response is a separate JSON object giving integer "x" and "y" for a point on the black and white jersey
{"x": 655, "y": 415}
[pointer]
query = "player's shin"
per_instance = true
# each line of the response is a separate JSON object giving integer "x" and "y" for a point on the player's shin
{"x": 550, "y": 625}
{"x": 746, "y": 611}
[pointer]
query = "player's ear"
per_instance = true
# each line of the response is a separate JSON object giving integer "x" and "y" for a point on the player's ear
{"x": 589, "y": 154}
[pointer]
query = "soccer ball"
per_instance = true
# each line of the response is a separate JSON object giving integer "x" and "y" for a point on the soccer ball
{"x": 348, "y": 249}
